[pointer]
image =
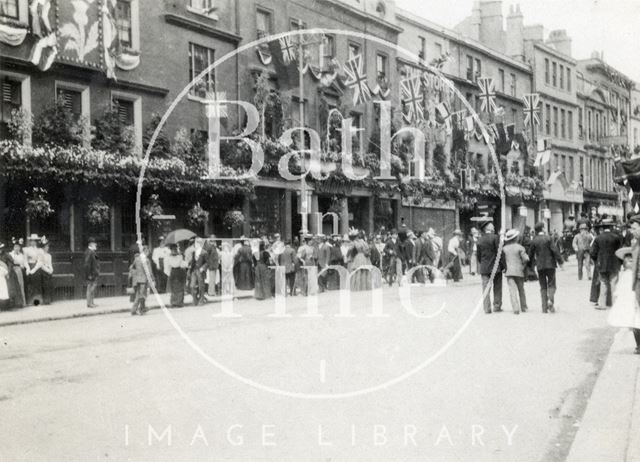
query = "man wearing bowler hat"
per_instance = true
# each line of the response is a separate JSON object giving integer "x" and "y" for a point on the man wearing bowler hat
{"x": 546, "y": 256}
{"x": 603, "y": 251}
{"x": 488, "y": 250}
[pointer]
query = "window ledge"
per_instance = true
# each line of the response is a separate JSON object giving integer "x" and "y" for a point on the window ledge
{"x": 200, "y": 27}
{"x": 212, "y": 15}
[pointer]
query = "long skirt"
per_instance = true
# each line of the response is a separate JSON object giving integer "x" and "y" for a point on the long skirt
{"x": 226, "y": 284}
{"x": 263, "y": 282}
{"x": 34, "y": 288}
{"x": 361, "y": 279}
{"x": 625, "y": 311}
{"x": 16, "y": 287}
{"x": 473, "y": 263}
{"x": 301, "y": 281}
{"x": 454, "y": 267}
{"x": 243, "y": 273}
{"x": 47, "y": 287}
{"x": 177, "y": 281}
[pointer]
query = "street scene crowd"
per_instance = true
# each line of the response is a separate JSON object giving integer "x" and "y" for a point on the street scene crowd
{"x": 182, "y": 263}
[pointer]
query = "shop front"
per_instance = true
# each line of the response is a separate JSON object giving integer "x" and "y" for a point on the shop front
{"x": 562, "y": 199}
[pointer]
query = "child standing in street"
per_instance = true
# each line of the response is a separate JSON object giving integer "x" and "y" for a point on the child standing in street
{"x": 516, "y": 260}
{"x": 625, "y": 311}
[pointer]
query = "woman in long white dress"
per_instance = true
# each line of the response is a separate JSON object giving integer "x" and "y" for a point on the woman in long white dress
{"x": 625, "y": 311}
{"x": 4, "y": 281}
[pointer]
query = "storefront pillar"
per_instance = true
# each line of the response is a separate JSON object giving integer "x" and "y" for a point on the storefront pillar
{"x": 246, "y": 211}
{"x": 3, "y": 202}
{"x": 116, "y": 227}
{"x": 287, "y": 225}
{"x": 344, "y": 216}
{"x": 313, "y": 223}
{"x": 370, "y": 216}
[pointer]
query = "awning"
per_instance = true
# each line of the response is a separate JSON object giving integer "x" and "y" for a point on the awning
{"x": 560, "y": 190}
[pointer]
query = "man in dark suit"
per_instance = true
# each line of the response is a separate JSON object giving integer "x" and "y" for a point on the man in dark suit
{"x": 546, "y": 257}
{"x": 603, "y": 252}
{"x": 198, "y": 267}
{"x": 488, "y": 250}
{"x": 91, "y": 271}
{"x": 324, "y": 255}
{"x": 212, "y": 265}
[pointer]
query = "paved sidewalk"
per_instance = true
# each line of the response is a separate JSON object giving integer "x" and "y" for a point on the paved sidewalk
{"x": 78, "y": 308}
{"x": 610, "y": 428}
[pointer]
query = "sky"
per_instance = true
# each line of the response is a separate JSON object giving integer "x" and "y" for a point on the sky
{"x": 609, "y": 26}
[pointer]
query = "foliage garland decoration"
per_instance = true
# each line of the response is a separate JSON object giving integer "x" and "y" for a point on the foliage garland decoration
{"x": 97, "y": 212}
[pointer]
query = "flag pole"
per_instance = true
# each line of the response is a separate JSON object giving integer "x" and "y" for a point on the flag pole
{"x": 303, "y": 183}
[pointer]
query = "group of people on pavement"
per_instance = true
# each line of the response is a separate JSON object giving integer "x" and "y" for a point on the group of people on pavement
{"x": 26, "y": 273}
{"x": 519, "y": 255}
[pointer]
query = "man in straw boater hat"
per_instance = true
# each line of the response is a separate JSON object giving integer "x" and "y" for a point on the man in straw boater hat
{"x": 582, "y": 246}
{"x": 544, "y": 253}
{"x": 488, "y": 252}
{"x": 516, "y": 260}
{"x": 603, "y": 252}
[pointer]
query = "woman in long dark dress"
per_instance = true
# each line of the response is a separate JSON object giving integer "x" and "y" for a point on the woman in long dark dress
{"x": 175, "y": 267}
{"x": 17, "y": 278}
{"x": 263, "y": 277}
{"x": 243, "y": 267}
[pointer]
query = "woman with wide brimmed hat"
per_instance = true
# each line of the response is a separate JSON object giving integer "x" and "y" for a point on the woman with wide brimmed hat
{"x": 625, "y": 311}
{"x": 34, "y": 261}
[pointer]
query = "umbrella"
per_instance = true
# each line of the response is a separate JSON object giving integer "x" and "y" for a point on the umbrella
{"x": 178, "y": 235}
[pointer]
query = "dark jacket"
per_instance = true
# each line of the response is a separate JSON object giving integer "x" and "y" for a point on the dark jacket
{"x": 213, "y": 259}
{"x": 287, "y": 259}
{"x": 603, "y": 250}
{"x": 201, "y": 263}
{"x": 544, "y": 253}
{"x": 91, "y": 265}
{"x": 487, "y": 252}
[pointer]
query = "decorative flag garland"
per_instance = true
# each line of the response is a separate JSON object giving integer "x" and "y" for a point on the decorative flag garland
{"x": 411, "y": 89}
{"x": 487, "y": 94}
{"x": 357, "y": 80}
{"x": 531, "y": 103}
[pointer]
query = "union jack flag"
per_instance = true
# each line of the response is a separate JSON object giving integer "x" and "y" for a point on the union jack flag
{"x": 412, "y": 98}
{"x": 288, "y": 49}
{"x": 531, "y": 103}
{"x": 487, "y": 94}
{"x": 357, "y": 79}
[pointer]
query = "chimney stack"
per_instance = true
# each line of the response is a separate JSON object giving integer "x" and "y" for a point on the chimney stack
{"x": 559, "y": 40}
{"x": 492, "y": 25}
{"x": 515, "y": 33}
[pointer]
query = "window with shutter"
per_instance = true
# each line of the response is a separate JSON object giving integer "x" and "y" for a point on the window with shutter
{"x": 125, "y": 111}
{"x": 11, "y": 97}
{"x": 72, "y": 100}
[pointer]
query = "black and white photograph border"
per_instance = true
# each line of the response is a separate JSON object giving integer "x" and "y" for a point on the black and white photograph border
{"x": 319, "y": 230}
